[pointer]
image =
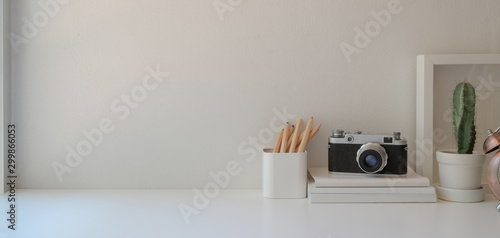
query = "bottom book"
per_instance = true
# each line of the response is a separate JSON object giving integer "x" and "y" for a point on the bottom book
{"x": 370, "y": 198}
{"x": 371, "y": 195}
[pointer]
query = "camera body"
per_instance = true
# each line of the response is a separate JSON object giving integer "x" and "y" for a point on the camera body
{"x": 367, "y": 154}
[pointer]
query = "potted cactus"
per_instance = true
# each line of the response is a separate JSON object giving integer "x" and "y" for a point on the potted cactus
{"x": 460, "y": 169}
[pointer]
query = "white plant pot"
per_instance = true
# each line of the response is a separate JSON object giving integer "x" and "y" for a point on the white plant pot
{"x": 460, "y": 176}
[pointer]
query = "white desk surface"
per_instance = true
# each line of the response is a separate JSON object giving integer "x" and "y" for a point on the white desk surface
{"x": 236, "y": 213}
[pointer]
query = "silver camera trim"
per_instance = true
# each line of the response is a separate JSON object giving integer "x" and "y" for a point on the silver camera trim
{"x": 353, "y": 138}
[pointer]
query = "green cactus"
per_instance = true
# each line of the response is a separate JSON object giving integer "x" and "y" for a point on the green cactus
{"x": 464, "y": 105}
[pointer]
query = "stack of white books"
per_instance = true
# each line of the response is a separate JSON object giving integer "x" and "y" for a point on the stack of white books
{"x": 325, "y": 187}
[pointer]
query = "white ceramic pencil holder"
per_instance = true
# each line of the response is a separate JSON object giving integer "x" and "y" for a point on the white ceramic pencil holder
{"x": 284, "y": 174}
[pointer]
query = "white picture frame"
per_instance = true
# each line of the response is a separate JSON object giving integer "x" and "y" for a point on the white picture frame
{"x": 425, "y": 102}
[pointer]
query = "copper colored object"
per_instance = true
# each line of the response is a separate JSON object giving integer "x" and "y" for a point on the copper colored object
{"x": 491, "y": 144}
{"x": 493, "y": 175}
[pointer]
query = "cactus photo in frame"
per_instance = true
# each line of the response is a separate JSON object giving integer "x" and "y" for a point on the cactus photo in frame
{"x": 460, "y": 169}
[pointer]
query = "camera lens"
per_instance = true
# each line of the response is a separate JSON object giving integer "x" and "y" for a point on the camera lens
{"x": 370, "y": 161}
{"x": 371, "y": 158}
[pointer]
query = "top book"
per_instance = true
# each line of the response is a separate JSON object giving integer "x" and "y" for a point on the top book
{"x": 323, "y": 178}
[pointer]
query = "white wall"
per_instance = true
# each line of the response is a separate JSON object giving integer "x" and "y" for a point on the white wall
{"x": 226, "y": 78}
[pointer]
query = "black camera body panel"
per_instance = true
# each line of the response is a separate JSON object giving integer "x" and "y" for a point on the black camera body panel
{"x": 342, "y": 158}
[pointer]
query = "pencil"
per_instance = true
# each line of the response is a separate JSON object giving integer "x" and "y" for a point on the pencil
{"x": 313, "y": 132}
{"x": 295, "y": 137}
{"x": 306, "y": 136}
{"x": 300, "y": 139}
{"x": 285, "y": 138}
{"x": 278, "y": 143}
{"x": 311, "y": 135}
{"x": 290, "y": 135}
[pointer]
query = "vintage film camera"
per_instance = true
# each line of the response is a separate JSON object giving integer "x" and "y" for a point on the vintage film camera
{"x": 368, "y": 154}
